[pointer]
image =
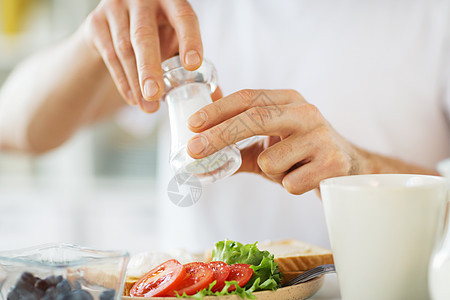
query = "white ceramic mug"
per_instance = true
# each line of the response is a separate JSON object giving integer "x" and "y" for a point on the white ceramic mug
{"x": 382, "y": 230}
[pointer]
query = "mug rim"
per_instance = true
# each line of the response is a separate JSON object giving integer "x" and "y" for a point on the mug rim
{"x": 369, "y": 181}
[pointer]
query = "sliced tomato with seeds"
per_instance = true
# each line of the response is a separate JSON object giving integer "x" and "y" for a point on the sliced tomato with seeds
{"x": 159, "y": 280}
{"x": 241, "y": 273}
{"x": 221, "y": 272}
{"x": 198, "y": 276}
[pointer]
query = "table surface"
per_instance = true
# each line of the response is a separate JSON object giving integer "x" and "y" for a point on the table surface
{"x": 329, "y": 290}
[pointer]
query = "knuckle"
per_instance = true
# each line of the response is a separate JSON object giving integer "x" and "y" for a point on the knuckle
{"x": 122, "y": 83}
{"x": 123, "y": 46}
{"x": 216, "y": 109}
{"x": 147, "y": 70}
{"x": 247, "y": 95}
{"x": 309, "y": 112}
{"x": 311, "y": 109}
{"x": 266, "y": 163}
{"x": 294, "y": 111}
{"x": 215, "y": 134}
{"x": 322, "y": 133}
{"x": 143, "y": 31}
{"x": 116, "y": 4}
{"x": 295, "y": 95}
{"x": 215, "y": 140}
{"x": 340, "y": 162}
{"x": 93, "y": 19}
{"x": 184, "y": 11}
{"x": 282, "y": 149}
{"x": 337, "y": 161}
{"x": 259, "y": 115}
{"x": 269, "y": 160}
{"x": 322, "y": 137}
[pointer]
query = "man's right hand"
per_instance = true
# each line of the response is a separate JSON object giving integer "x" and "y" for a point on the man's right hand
{"x": 133, "y": 36}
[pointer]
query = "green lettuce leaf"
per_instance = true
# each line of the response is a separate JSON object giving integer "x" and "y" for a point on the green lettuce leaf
{"x": 266, "y": 275}
{"x": 242, "y": 292}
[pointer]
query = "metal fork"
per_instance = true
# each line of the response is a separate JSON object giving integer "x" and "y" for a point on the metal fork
{"x": 311, "y": 274}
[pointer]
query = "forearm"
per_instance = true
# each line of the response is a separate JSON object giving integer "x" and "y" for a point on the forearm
{"x": 53, "y": 93}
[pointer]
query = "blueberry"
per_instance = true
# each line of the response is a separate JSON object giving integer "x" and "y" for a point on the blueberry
{"x": 26, "y": 282}
{"x": 107, "y": 295}
{"x": 53, "y": 280}
{"x": 13, "y": 295}
{"x": 50, "y": 293}
{"x": 77, "y": 295}
{"x": 63, "y": 287}
{"x": 28, "y": 278}
{"x": 19, "y": 294}
{"x": 76, "y": 285}
{"x": 41, "y": 284}
{"x": 38, "y": 293}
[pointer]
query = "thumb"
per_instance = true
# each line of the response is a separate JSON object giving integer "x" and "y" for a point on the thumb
{"x": 217, "y": 94}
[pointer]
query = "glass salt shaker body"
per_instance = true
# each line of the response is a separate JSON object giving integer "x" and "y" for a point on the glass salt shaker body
{"x": 185, "y": 93}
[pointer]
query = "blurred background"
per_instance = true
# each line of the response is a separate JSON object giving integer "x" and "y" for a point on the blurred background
{"x": 96, "y": 187}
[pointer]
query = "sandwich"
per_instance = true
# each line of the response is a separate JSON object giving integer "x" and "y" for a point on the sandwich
{"x": 284, "y": 259}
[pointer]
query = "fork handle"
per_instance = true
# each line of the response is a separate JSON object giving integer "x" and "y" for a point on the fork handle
{"x": 311, "y": 274}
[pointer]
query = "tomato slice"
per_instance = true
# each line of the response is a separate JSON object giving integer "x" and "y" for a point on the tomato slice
{"x": 198, "y": 276}
{"x": 159, "y": 280}
{"x": 241, "y": 273}
{"x": 221, "y": 272}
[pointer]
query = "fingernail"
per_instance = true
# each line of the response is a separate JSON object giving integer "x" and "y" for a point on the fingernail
{"x": 192, "y": 58}
{"x": 197, "y": 145}
{"x": 151, "y": 88}
{"x": 197, "y": 119}
{"x": 149, "y": 106}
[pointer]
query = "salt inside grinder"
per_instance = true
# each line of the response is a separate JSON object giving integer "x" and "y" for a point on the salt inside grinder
{"x": 185, "y": 93}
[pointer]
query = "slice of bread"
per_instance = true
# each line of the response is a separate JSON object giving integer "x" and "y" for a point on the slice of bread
{"x": 294, "y": 256}
{"x": 129, "y": 282}
{"x": 143, "y": 262}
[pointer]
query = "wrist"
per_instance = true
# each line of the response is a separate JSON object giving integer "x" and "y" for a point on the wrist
{"x": 363, "y": 162}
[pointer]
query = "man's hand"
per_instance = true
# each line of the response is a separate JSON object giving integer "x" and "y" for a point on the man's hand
{"x": 301, "y": 147}
{"x": 133, "y": 36}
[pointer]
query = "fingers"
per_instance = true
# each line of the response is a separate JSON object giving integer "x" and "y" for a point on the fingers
{"x": 326, "y": 160}
{"x": 250, "y": 158}
{"x": 307, "y": 177}
{"x": 149, "y": 106}
{"x": 184, "y": 20}
{"x": 101, "y": 37}
{"x": 255, "y": 121}
{"x": 299, "y": 163}
{"x": 295, "y": 150}
{"x": 217, "y": 94}
{"x": 120, "y": 32}
{"x": 145, "y": 43}
{"x": 239, "y": 102}
{"x": 275, "y": 120}
{"x": 304, "y": 179}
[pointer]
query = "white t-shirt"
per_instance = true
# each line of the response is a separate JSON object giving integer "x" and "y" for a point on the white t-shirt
{"x": 377, "y": 70}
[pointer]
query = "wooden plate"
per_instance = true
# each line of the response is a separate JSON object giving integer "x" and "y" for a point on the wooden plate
{"x": 296, "y": 292}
